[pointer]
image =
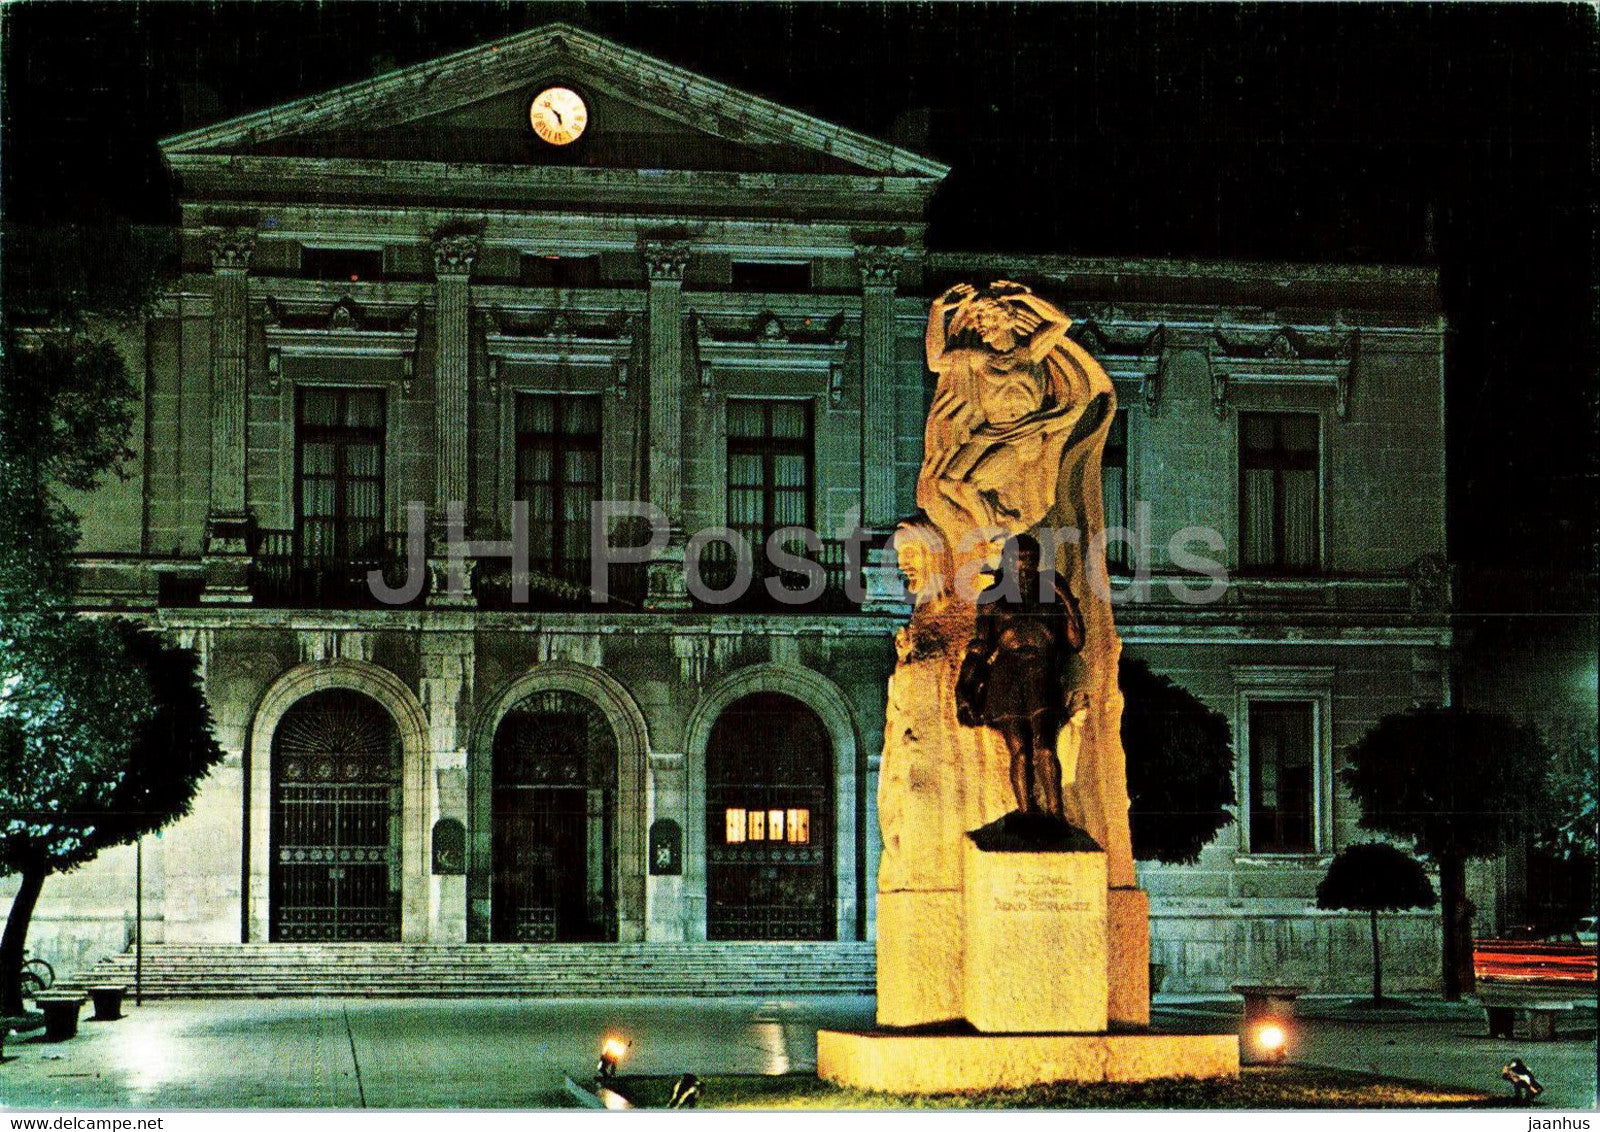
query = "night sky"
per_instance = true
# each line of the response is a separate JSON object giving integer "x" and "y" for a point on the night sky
{"x": 1428, "y": 134}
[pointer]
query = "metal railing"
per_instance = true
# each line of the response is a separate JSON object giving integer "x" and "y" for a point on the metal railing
{"x": 719, "y": 571}
{"x": 283, "y": 573}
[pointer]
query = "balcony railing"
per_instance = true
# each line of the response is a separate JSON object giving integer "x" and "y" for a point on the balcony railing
{"x": 284, "y": 574}
{"x": 719, "y": 570}
{"x": 563, "y": 584}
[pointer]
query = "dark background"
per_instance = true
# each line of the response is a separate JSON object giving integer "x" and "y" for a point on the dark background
{"x": 1454, "y": 135}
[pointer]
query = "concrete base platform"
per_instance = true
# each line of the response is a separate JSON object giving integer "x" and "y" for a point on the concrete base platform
{"x": 891, "y": 1062}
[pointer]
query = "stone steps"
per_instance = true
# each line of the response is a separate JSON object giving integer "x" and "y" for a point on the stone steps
{"x": 716, "y": 969}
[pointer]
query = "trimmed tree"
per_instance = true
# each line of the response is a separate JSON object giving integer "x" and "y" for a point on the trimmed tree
{"x": 104, "y": 733}
{"x": 1457, "y": 783}
{"x": 1180, "y": 767}
{"x": 1375, "y": 877}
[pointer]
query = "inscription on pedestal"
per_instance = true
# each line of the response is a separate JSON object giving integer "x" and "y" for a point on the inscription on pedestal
{"x": 1036, "y": 941}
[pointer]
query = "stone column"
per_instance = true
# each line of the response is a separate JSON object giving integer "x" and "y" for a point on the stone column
{"x": 453, "y": 257}
{"x": 228, "y": 524}
{"x": 665, "y": 261}
{"x": 880, "y": 272}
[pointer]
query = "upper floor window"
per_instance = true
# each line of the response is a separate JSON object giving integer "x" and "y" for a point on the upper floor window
{"x": 1114, "y": 488}
{"x": 349, "y": 264}
{"x": 750, "y": 275}
{"x": 1282, "y": 761}
{"x": 1278, "y": 478}
{"x": 560, "y": 270}
{"x": 558, "y": 474}
{"x": 339, "y": 473}
{"x": 769, "y": 466}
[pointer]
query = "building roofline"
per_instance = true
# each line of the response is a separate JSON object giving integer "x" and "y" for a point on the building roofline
{"x": 514, "y": 55}
{"x": 1250, "y": 271}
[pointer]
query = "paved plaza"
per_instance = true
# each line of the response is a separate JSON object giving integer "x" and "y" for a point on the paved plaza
{"x": 512, "y": 1053}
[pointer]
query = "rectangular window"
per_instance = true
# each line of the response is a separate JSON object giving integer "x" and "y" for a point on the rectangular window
{"x": 558, "y": 474}
{"x": 348, "y": 264}
{"x": 1114, "y": 489}
{"x": 560, "y": 270}
{"x": 1282, "y": 760}
{"x": 339, "y": 474}
{"x": 769, "y": 467}
{"x": 1278, "y": 476}
{"x": 752, "y": 276}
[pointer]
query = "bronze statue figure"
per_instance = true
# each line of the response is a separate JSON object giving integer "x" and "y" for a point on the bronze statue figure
{"x": 1015, "y": 676}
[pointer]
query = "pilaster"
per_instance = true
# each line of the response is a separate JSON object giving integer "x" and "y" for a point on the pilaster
{"x": 665, "y": 262}
{"x": 880, "y": 274}
{"x": 453, "y": 259}
{"x": 227, "y": 522}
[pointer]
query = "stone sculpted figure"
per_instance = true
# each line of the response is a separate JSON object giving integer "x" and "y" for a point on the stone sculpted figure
{"x": 1012, "y": 391}
{"x": 1016, "y": 677}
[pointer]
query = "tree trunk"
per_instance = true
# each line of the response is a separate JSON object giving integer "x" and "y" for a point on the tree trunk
{"x": 1456, "y": 911}
{"x": 16, "y": 935}
{"x": 1377, "y": 962}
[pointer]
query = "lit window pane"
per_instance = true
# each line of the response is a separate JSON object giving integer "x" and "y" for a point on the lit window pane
{"x": 758, "y": 825}
{"x": 775, "y": 825}
{"x": 735, "y": 826}
{"x": 799, "y": 827}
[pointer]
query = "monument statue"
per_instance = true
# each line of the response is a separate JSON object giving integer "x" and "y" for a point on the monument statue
{"x": 1015, "y": 679}
{"x": 1002, "y": 797}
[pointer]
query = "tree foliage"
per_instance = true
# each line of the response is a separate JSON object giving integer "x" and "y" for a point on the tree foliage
{"x": 1454, "y": 781}
{"x": 1572, "y": 823}
{"x": 1457, "y": 783}
{"x": 1373, "y": 876}
{"x": 1180, "y": 767}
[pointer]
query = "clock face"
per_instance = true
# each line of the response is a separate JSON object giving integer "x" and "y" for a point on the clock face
{"x": 559, "y": 115}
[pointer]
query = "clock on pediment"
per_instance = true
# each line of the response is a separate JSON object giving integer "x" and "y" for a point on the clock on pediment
{"x": 558, "y": 115}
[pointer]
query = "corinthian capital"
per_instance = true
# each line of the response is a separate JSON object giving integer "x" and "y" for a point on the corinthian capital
{"x": 665, "y": 259}
{"x": 454, "y": 255}
{"x": 880, "y": 266}
{"x": 230, "y": 249}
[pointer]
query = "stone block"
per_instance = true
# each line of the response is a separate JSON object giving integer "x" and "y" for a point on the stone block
{"x": 958, "y": 1063}
{"x": 1036, "y": 941}
{"x": 919, "y": 958}
{"x": 1128, "y": 956}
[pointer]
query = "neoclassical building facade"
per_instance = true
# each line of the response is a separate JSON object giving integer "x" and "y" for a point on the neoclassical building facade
{"x": 552, "y": 272}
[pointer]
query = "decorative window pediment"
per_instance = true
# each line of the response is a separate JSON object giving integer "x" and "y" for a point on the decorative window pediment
{"x": 1285, "y": 357}
{"x": 561, "y": 338}
{"x": 766, "y": 342}
{"x": 344, "y": 330}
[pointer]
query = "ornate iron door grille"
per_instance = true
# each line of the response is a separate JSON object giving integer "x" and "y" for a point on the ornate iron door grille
{"x": 768, "y": 753}
{"x": 335, "y": 821}
{"x": 553, "y": 822}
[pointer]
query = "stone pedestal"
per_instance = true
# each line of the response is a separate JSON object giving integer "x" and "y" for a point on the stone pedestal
{"x": 1128, "y": 956}
{"x": 919, "y": 958}
{"x": 1036, "y": 943}
{"x": 890, "y": 1062}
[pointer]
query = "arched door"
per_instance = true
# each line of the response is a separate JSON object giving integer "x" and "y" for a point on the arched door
{"x": 769, "y": 822}
{"x": 335, "y": 820}
{"x": 553, "y": 822}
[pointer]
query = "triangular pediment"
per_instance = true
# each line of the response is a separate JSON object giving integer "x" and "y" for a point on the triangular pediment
{"x": 472, "y": 108}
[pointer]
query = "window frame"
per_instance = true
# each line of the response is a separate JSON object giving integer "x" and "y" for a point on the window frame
{"x": 1269, "y": 683}
{"x": 1282, "y": 462}
{"x": 340, "y": 435}
{"x": 559, "y": 451}
{"x": 769, "y": 448}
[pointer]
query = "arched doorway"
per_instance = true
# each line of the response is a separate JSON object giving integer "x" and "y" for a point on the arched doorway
{"x": 335, "y": 821}
{"x": 769, "y": 822}
{"x": 553, "y": 816}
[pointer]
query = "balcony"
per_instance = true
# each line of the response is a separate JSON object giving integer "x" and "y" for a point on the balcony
{"x": 719, "y": 570}
{"x": 282, "y": 574}
{"x": 561, "y": 585}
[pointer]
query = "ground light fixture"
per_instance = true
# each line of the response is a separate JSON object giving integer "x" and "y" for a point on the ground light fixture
{"x": 1273, "y": 1041}
{"x": 612, "y": 1051}
{"x": 1523, "y": 1085}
